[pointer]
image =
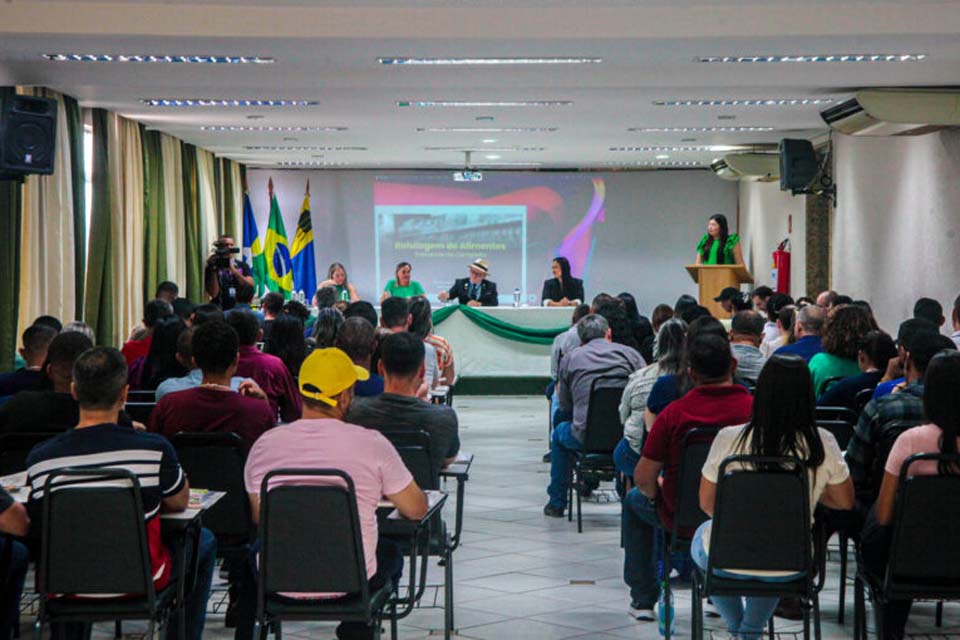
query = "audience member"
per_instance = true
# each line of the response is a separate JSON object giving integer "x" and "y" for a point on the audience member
{"x": 52, "y": 409}
{"x": 195, "y": 376}
{"x": 844, "y": 330}
{"x": 661, "y": 313}
{"x": 147, "y": 372}
{"x": 168, "y": 291}
{"x": 683, "y": 303}
{"x": 803, "y": 301}
{"x": 213, "y": 406}
{"x": 863, "y": 303}
{"x": 395, "y": 317}
{"x": 80, "y": 327}
{"x": 782, "y": 424}
{"x": 205, "y": 313}
{"x": 566, "y": 342}
{"x": 875, "y": 431}
{"x": 323, "y": 440}
{"x": 14, "y": 522}
{"x": 36, "y": 340}
{"x": 599, "y": 356}
{"x": 272, "y": 306}
{"x": 266, "y": 370}
{"x": 690, "y": 314}
{"x": 298, "y": 309}
{"x": 153, "y": 312}
{"x": 421, "y": 325}
{"x": 840, "y": 301}
{"x": 287, "y": 342}
{"x": 746, "y": 332}
{"x": 941, "y": 408}
{"x": 669, "y": 361}
{"x": 807, "y": 331}
{"x": 876, "y": 350}
{"x": 362, "y": 309}
{"x": 771, "y": 333}
{"x": 329, "y": 321}
{"x": 399, "y": 408}
{"x": 621, "y": 331}
{"x": 49, "y": 321}
{"x": 244, "y": 303}
{"x": 733, "y": 300}
{"x": 786, "y": 323}
{"x": 325, "y": 297}
{"x": 955, "y": 321}
{"x": 760, "y": 296}
{"x": 893, "y": 375}
{"x": 97, "y": 441}
{"x": 714, "y": 401}
{"x": 930, "y": 310}
{"x": 642, "y": 329}
{"x": 358, "y": 339}
{"x": 827, "y": 299}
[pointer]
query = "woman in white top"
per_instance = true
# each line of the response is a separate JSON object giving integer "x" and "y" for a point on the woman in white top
{"x": 782, "y": 424}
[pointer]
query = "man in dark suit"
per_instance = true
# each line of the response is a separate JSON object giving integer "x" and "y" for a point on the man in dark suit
{"x": 476, "y": 290}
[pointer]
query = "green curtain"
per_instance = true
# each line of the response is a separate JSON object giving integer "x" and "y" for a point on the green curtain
{"x": 154, "y": 213}
{"x": 11, "y": 212}
{"x": 78, "y": 181}
{"x": 191, "y": 208}
{"x": 100, "y": 298}
{"x": 499, "y": 327}
{"x": 229, "y": 201}
{"x": 218, "y": 195}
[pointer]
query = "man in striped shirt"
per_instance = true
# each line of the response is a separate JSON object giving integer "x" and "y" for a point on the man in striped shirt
{"x": 100, "y": 386}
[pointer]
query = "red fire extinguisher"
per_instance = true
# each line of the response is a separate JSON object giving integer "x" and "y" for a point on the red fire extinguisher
{"x": 781, "y": 267}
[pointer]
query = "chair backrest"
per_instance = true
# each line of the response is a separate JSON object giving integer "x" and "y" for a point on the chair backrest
{"x": 862, "y": 398}
{"x": 414, "y": 449}
{"x": 836, "y": 413}
{"x": 142, "y": 395}
{"x": 889, "y": 432}
{"x": 841, "y": 430}
{"x": 215, "y": 461}
{"x": 604, "y": 431}
{"x": 925, "y": 549}
{"x": 93, "y": 539}
{"x": 139, "y": 411}
{"x": 14, "y": 448}
{"x": 310, "y": 538}
{"x": 761, "y": 517}
{"x": 694, "y": 450}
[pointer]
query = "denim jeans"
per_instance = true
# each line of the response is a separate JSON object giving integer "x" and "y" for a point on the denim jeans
{"x": 625, "y": 459}
{"x": 16, "y": 559}
{"x": 875, "y": 548}
{"x": 745, "y": 617}
{"x": 639, "y": 523}
{"x": 562, "y": 443}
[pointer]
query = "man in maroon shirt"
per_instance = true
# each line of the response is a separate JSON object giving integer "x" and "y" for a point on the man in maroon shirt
{"x": 155, "y": 311}
{"x": 214, "y": 407}
{"x": 714, "y": 401}
{"x": 266, "y": 370}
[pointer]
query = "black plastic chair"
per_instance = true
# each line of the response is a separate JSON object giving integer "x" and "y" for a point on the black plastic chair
{"x": 761, "y": 521}
{"x": 76, "y": 557}
{"x": 836, "y": 413}
{"x": 142, "y": 395}
{"x": 310, "y": 542}
{"x": 862, "y": 399}
{"x": 841, "y": 429}
{"x": 687, "y": 513}
{"x": 14, "y": 448}
{"x": 139, "y": 411}
{"x": 602, "y": 433}
{"x": 924, "y": 556}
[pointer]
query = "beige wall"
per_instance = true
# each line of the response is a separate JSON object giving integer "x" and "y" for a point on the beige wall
{"x": 764, "y": 222}
{"x": 896, "y": 231}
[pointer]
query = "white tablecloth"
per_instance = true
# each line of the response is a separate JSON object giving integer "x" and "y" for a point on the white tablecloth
{"x": 478, "y": 352}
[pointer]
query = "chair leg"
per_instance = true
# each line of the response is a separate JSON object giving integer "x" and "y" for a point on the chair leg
{"x": 938, "y": 620}
{"x": 393, "y": 623}
{"x": 844, "y": 541}
{"x": 878, "y": 616}
{"x": 816, "y": 616}
{"x": 37, "y": 629}
{"x": 277, "y": 630}
{"x": 696, "y": 610}
{"x": 770, "y": 628}
{"x": 580, "y": 484}
{"x": 806, "y": 620}
{"x": 448, "y": 595}
{"x": 570, "y": 482}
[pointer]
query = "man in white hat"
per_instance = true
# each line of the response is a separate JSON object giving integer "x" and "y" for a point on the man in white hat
{"x": 475, "y": 290}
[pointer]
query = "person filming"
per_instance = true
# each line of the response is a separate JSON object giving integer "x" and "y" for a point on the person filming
{"x": 223, "y": 274}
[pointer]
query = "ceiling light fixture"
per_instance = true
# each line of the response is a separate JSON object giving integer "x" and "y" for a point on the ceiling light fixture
{"x": 745, "y": 102}
{"x": 300, "y": 148}
{"x": 486, "y": 129}
{"x": 484, "y": 103}
{"x": 679, "y": 149}
{"x": 492, "y": 156}
{"x": 245, "y": 129}
{"x": 309, "y": 163}
{"x": 454, "y": 62}
{"x": 485, "y": 149}
{"x": 156, "y": 58}
{"x": 223, "y": 102}
{"x": 819, "y": 57}
{"x": 698, "y": 129}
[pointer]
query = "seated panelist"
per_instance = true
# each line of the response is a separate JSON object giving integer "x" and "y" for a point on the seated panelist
{"x": 562, "y": 290}
{"x": 475, "y": 290}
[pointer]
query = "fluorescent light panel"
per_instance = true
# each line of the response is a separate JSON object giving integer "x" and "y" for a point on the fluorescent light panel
{"x": 242, "y": 128}
{"x": 677, "y": 149}
{"x": 457, "y": 62}
{"x": 486, "y": 129}
{"x": 156, "y": 58}
{"x": 224, "y": 102}
{"x": 819, "y": 57}
{"x": 300, "y": 148}
{"x": 485, "y": 149}
{"x": 746, "y": 102}
{"x": 484, "y": 103}
{"x": 698, "y": 129}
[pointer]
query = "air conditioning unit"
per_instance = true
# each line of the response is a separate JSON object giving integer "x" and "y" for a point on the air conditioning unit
{"x": 761, "y": 167}
{"x": 895, "y": 112}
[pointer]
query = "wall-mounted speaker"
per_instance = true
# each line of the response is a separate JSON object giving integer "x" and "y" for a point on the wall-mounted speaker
{"x": 28, "y": 135}
{"x": 798, "y": 165}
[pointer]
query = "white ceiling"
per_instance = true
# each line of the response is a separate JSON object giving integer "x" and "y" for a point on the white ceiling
{"x": 326, "y": 50}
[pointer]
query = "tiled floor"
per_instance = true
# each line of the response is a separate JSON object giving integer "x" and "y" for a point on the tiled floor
{"x": 520, "y": 575}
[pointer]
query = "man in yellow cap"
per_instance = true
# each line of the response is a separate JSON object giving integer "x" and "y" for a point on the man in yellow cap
{"x": 321, "y": 439}
{"x": 475, "y": 290}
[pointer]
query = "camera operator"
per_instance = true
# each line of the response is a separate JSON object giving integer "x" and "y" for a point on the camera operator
{"x": 223, "y": 274}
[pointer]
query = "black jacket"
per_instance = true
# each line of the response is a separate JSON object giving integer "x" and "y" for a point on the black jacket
{"x": 553, "y": 291}
{"x": 461, "y": 289}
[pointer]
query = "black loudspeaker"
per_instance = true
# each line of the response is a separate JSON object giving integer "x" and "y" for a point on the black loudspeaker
{"x": 28, "y": 135}
{"x": 798, "y": 165}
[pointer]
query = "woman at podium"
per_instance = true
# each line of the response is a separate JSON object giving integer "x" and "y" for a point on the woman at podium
{"x": 718, "y": 245}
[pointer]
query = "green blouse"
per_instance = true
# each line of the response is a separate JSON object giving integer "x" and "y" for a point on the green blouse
{"x": 343, "y": 294}
{"x": 409, "y": 291}
{"x": 732, "y": 241}
{"x": 824, "y": 366}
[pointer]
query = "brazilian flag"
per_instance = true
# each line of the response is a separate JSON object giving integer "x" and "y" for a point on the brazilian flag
{"x": 279, "y": 265}
{"x": 304, "y": 266}
{"x": 252, "y": 249}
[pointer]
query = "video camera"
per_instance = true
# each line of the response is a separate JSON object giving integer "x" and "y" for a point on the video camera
{"x": 222, "y": 253}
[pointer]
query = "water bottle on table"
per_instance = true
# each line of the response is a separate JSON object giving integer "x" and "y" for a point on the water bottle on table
{"x": 516, "y": 297}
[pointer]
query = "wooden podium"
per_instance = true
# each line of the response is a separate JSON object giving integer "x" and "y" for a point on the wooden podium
{"x": 714, "y": 278}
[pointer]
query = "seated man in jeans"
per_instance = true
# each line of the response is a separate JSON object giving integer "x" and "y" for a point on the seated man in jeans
{"x": 714, "y": 401}
{"x": 100, "y": 386}
{"x": 598, "y": 356}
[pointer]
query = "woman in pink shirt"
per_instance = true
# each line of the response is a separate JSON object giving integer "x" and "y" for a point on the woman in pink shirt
{"x": 941, "y": 406}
